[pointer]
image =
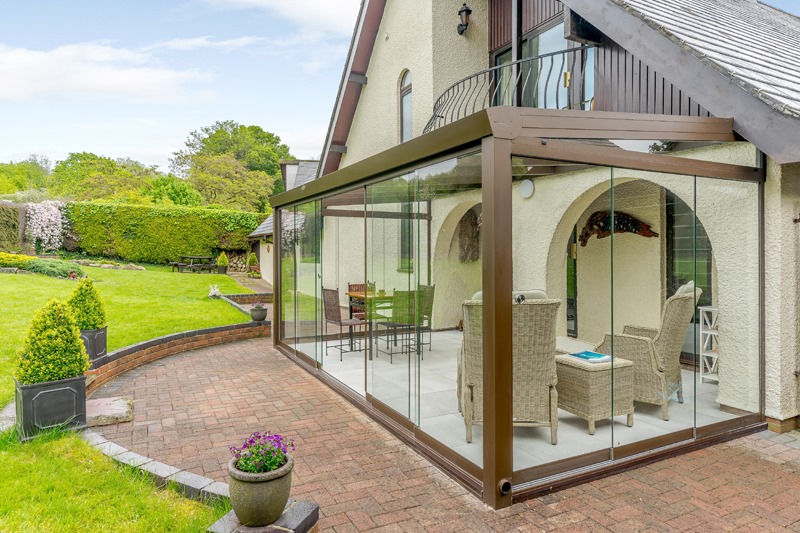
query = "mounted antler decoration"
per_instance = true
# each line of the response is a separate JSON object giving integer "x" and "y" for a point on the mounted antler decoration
{"x": 600, "y": 224}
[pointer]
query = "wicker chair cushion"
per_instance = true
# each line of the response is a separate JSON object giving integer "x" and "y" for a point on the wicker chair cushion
{"x": 530, "y": 294}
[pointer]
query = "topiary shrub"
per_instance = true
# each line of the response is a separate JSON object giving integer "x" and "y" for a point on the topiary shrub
{"x": 222, "y": 259}
{"x": 252, "y": 260}
{"x": 53, "y": 348}
{"x": 15, "y": 260}
{"x": 86, "y": 306}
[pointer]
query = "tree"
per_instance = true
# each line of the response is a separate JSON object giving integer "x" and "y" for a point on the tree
{"x": 224, "y": 181}
{"x": 32, "y": 173}
{"x": 172, "y": 189}
{"x": 253, "y": 148}
{"x": 86, "y": 176}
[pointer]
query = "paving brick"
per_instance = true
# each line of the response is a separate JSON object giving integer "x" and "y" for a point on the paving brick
{"x": 190, "y": 407}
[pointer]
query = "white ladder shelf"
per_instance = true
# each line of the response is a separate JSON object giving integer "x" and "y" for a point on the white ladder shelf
{"x": 709, "y": 344}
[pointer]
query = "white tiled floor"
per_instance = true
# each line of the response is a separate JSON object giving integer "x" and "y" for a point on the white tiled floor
{"x": 436, "y": 412}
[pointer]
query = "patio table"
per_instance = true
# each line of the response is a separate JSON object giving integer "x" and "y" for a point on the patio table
{"x": 370, "y": 302}
{"x": 195, "y": 263}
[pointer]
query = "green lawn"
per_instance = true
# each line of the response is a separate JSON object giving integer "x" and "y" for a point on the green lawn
{"x": 140, "y": 305}
{"x": 59, "y": 483}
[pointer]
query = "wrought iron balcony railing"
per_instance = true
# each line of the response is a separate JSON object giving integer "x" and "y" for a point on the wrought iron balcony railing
{"x": 559, "y": 80}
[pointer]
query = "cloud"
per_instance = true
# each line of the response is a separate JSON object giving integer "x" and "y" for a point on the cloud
{"x": 305, "y": 143}
{"x": 205, "y": 42}
{"x": 92, "y": 69}
{"x": 329, "y": 16}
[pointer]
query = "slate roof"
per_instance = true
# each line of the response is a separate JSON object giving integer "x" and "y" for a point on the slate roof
{"x": 264, "y": 229}
{"x": 754, "y": 44}
{"x": 306, "y": 172}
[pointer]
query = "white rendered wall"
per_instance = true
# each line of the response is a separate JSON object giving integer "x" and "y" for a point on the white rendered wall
{"x": 781, "y": 277}
{"x": 419, "y": 36}
{"x": 267, "y": 261}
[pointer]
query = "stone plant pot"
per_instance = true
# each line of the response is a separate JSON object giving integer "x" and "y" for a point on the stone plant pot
{"x": 259, "y": 499}
{"x": 222, "y": 269}
{"x": 45, "y": 405}
{"x": 95, "y": 342}
{"x": 258, "y": 315}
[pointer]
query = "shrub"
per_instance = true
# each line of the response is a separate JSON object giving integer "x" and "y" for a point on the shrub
{"x": 15, "y": 260}
{"x": 252, "y": 260}
{"x": 46, "y": 225}
{"x": 86, "y": 306}
{"x": 222, "y": 259}
{"x": 53, "y": 348}
{"x": 144, "y": 234}
{"x": 53, "y": 268}
{"x": 9, "y": 228}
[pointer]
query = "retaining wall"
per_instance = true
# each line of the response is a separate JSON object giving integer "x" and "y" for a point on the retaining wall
{"x": 120, "y": 361}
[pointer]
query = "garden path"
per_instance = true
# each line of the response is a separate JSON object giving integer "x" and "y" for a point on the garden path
{"x": 189, "y": 408}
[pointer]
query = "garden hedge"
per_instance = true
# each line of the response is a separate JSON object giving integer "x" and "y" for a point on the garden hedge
{"x": 146, "y": 234}
{"x": 9, "y": 228}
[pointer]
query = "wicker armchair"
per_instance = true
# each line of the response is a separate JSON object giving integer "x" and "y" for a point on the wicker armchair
{"x": 534, "y": 359}
{"x": 656, "y": 352}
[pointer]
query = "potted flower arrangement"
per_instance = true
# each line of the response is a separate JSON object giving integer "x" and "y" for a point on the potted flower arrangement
{"x": 253, "y": 270}
{"x": 222, "y": 263}
{"x": 90, "y": 314}
{"x": 260, "y": 478}
{"x": 50, "y": 385}
{"x": 258, "y": 312}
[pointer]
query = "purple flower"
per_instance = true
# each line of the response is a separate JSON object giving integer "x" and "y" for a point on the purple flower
{"x": 262, "y": 452}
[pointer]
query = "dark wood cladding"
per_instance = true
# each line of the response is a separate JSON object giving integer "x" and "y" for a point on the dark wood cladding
{"x": 534, "y": 13}
{"x": 624, "y": 84}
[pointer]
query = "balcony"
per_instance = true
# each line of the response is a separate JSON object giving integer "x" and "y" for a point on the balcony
{"x": 558, "y": 80}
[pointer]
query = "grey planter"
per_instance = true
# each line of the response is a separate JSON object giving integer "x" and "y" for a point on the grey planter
{"x": 95, "y": 342}
{"x": 222, "y": 269}
{"x": 258, "y": 315}
{"x": 46, "y": 405}
{"x": 259, "y": 499}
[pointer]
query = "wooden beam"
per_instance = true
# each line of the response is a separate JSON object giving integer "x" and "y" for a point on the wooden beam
{"x": 601, "y": 156}
{"x": 346, "y": 213}
{"x": 510, "y": 123}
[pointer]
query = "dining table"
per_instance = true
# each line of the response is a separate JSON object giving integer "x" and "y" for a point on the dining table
{"x": 371, "y": 302}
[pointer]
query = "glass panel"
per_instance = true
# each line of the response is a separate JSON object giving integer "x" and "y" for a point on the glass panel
{"x": 288, "y": 322}
{"x": 392, "y": 268}
{"x": 562, "y": 402}
{"x": 503, "y": 89}
{"x": 341, "y": 271}
{"x": 655, "y": 296}
{"x": 406, "y": 121}
{"x": 728, "y": 323}
{"x": 587, "y": 102}
{"x": 450, "y": 366}
{"x": 307, "y": 233}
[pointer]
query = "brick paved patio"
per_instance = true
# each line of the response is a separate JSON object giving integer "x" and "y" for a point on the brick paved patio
{"x": 189, "y": 408}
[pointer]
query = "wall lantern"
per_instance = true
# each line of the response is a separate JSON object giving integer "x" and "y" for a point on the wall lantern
{"x": 526, "y": 188}
{"x": 464, "y": 14}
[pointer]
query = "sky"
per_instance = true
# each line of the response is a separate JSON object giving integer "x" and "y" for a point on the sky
{"x": 133, "y": 79}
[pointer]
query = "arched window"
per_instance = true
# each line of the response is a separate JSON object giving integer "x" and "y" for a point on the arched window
{"x": 405, "y": 107}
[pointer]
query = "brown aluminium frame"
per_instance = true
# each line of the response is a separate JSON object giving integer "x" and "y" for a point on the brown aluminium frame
{"x": 505, "y": 131}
